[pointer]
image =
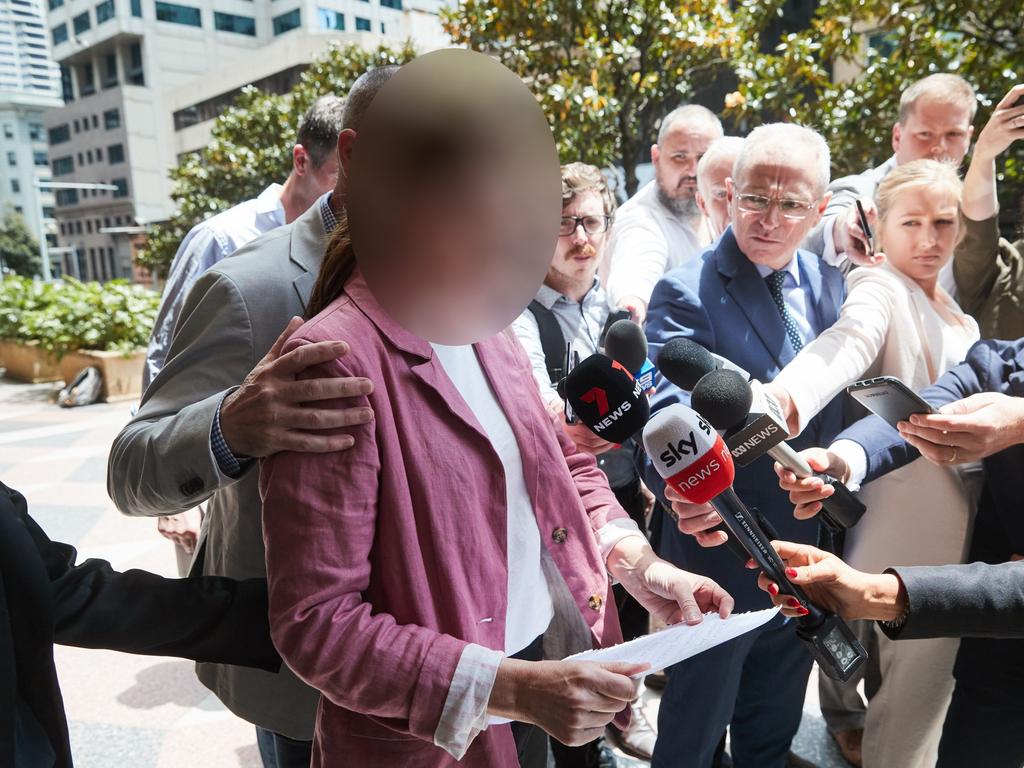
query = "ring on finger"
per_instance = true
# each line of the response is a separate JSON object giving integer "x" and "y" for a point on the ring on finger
{"x": 952, "y": 459}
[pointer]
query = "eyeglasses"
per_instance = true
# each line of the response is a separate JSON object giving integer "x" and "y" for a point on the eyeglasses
{"x": 719, "y": 193}
{"x": 794, "y": 210}
{"x": 592, "y": 225}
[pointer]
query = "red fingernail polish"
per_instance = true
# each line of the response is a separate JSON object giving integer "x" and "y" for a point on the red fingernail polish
{"x": 793, "y": 602}
{"x": 803, "y": 611}
{"x": 773, "y": 590}
{"x": 791, "y": 572}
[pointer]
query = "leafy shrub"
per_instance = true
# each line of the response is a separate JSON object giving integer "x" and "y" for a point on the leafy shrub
{"x": 71, "y": 315}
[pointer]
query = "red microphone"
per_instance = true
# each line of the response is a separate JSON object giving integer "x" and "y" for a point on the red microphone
{"x": 692, "y": 458}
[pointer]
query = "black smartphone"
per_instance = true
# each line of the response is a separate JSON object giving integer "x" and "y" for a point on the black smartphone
{"x": 613, "y": 318}
{"x": 866, "y": 227}
{"x": 889, "y": 398}
{"x": 1018, "y": 103}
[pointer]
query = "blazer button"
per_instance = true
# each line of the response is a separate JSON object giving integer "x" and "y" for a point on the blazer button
{"x": 559, "y": 535}
{"x": 595, "y": 602}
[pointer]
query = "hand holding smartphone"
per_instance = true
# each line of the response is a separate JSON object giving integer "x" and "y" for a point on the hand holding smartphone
{"x": 889, "y": 398}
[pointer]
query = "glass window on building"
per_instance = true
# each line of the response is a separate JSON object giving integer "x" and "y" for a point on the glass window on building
{"x": 55, "y": 4}
{"x": 122, "y": 187}
{"x": 62, "y": 166}
{"x": 136, "y": 75}
{"x": 287, "y": 22}
{"x": 59, "y": 134}
{"x": 86, "y": 81}
{"x": 110, "y": 70}
{"x": 12, "y": 159}
{"x": 363, "y": 25}
{"x": 36, "y": 132}
{"x": 115, "y": 154}
{"x": 99, "y": 154}
{"x": 15, "y": 186}
{"x": 330, "y": 19}
{"x": 396, "y": 4}
{"x": 178, "y": 14}
{"x": 112, "y": 119}
{"x": 67, "y": 88}
{"x": 104, "y": 11}
{"x": 40, "y": 159}
{"x": 59, "y": 34}
{"x": 137, "y": 8}
{"x": 230, "y": 22}
{"x": 82, "y": 23}
{"x": 8, "y": 131}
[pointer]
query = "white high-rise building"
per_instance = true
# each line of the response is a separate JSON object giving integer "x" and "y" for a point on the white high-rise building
{"x": 142, "y": 80}
{"x": 29, "y": 87}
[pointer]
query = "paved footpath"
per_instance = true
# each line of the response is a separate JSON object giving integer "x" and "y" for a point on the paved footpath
{"x": 137, "y": 711}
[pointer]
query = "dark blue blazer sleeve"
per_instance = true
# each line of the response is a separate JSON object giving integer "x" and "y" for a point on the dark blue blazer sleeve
{"x": 991, "y": 366}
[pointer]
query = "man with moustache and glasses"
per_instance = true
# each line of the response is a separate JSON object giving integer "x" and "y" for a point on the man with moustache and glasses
{"x": 660, "y": 227}
{"x": 571, "y": 306}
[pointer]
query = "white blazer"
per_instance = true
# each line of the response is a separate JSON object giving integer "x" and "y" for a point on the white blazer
{"x": 887, "y": 327}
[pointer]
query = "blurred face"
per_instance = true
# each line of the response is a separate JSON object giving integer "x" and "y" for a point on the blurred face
{"x": 675, "y": 166}
{"x": 712, "y": 196}
{"x": 578, "y": 254}
{"x": 920, "y": 232}
{"x": 933, "y": 131}
{"x": 774, "y": 204}
{"x": 315, "y": 181}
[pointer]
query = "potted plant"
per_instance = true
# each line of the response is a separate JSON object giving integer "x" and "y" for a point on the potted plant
{"x": 22, "y": 357}
{"x": 77, "y": 325}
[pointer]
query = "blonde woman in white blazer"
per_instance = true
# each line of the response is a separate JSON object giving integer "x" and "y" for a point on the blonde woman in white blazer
{"x": 897, "y": 321}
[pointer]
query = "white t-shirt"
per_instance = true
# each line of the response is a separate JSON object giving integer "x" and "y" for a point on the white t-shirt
{"x": 530, "y": 608}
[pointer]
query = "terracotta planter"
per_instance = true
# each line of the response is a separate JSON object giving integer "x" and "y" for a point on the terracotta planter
{"x": 27, "y": 362}
{"x": 122, "y": 376}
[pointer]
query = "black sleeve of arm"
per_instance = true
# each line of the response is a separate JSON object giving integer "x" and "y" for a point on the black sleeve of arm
{"x": 975, "y": 600}
{"x": 206, "y": 618}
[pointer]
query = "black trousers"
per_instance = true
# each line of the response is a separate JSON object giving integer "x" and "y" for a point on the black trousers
{"x": 983, "y": 726}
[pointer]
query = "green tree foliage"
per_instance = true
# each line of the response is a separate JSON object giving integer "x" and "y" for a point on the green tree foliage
{"x": 250, "y": 145}
{"x": 19, "y": 250}
{"x": 604, "y": 72}
{"x": 888, "y": 45}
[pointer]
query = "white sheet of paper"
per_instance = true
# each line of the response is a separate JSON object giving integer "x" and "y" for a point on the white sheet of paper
{"x": 680, "y": 641}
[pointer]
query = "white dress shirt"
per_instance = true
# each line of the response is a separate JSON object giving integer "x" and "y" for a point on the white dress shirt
{"x": 648, "y": 240}
{"x": 206, "y": 244}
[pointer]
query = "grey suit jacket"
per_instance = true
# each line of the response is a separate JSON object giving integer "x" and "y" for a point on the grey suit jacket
{"x": 162, "y": 462}
{"x": 975, "y": 600}
{"x": 844, "y": 191}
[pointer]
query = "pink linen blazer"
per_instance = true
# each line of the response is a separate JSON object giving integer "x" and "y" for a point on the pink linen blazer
{"x": 385, "y": 560}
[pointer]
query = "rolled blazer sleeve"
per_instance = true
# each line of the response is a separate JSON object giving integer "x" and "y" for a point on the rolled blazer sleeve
{"x": 319, "y": 521}
{"x": 975, "y": 600}
{"x": 162, "y": 462}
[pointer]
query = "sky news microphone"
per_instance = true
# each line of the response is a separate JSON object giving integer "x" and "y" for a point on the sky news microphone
{"x": 753, "y": 425}
{"x": 625, "y": 341}
{"x": 606, "y": 397}
{"x": 684, "y": 362}
{"x": 695, "y": 461}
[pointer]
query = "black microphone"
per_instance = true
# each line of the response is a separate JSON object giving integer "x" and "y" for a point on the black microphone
{"x": 693, "y": 459}
{"x": 604, "y": 395}
{"x": 684, "y": 362}
{"x": 625, "y": 341}
{"x": 754, "y": 426}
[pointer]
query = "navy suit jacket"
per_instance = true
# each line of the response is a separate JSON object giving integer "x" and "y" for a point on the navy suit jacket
{"x": 721, "y": 302}
{"x": 991, "y": 366}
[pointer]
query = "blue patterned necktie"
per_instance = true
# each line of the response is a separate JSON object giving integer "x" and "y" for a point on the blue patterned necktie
{"x": 775, "y": 281}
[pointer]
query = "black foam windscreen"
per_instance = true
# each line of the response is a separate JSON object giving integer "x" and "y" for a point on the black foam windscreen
{"x": 684, "y": 362}
{"x": 723, "y": 397}
{"x": 605, "y": 396}
{"x": 626, "y": 342}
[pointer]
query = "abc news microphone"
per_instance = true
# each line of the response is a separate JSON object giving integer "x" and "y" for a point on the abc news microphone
{"x": 694, "y": 460}
{"x": 751, "y": 418}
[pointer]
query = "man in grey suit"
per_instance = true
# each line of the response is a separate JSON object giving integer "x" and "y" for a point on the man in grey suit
{"x": 934, "y": 122}
{"x": 225, "y": 397}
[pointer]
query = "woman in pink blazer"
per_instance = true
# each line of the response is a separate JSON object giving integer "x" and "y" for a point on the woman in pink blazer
{"x": 396, "y": 578}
